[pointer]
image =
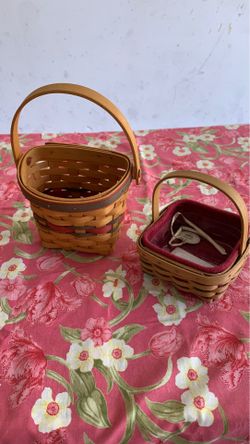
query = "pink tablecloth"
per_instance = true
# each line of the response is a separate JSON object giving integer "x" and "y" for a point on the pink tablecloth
{"x": 92, "y": 350}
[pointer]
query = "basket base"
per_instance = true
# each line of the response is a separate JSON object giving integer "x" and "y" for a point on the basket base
{"x": 100, "y": 251}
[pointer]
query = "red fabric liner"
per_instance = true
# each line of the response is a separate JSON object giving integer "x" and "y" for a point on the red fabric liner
{"x": 224, "y": 227}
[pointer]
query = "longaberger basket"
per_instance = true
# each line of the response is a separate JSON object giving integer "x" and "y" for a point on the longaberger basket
{"x": 206, "y": 283}
{"x": 77, "y": 193}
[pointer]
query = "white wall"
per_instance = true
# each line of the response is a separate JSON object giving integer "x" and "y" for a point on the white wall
{"x": 165, "y": 63}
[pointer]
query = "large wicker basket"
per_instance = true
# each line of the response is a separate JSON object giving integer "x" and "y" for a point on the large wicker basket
{"x": 77, "y": 193}
{"x": 205, "y": 285}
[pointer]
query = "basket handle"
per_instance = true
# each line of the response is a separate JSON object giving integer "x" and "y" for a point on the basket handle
{"x": 85, "y": 93}
{"x": 227, "y": 189}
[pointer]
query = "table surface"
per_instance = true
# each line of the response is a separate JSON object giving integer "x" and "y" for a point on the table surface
{"x": 95, "y": 351}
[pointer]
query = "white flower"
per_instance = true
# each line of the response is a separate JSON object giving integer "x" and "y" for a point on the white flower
{"x": 192, "y": 373}
{"x": 206, "y": 137}
{"x": 154, "y": 285}
{"x": 171, "y": 312}
{"x": 3, "y": 318}
{"x": 232, "y": 127}
{"x": 11, "y": 268}
{"x": 190, "y": 138}
{"x": 207, "y": 164}
{"x": 181, "y": 151}
{"x": 207, "y": 190}
{"x": 147, "y": 152}
{"x": 5, "y": 146}
{"x": 22, "y": 215}
{"x": 51, "y": 415}
{"x": 81, "y": 356}
{"x": 199, "y": 404}
{"x": 99, "y": 143}
{"x": 244, "y": 142}
{"x": 114, "y": 353}
{"x": 4, "y": 237}
{"x": 147, "y": 209}
{"x": 47, "y": 136}
{"x": 134, "y": 231}
{"x": 113, "y": 285}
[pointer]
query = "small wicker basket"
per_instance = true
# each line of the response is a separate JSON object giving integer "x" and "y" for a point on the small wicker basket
{"x": 165, "y": 266}
{"x": 77, "y": 193}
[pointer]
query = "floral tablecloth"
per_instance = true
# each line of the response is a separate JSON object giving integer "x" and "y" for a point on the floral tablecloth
{"x": 93, "y": 350}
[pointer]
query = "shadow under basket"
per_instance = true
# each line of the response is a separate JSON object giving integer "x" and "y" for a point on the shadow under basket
{"x": 196, "y": 267}
{"x": 77, "y": 193}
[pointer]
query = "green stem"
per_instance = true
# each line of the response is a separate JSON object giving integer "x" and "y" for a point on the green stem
{"x": 16, "y": 319}
{"x": 129, "y": 307}
{"x": 125, "y": 386}
{"x": 62, "y": 275}
{"x": 194, "y": 307}
{"x": 58, "y": 359}
{"x": 140, "y": 355}
{"x": 5, "y": 225}
{"x": 245, "y": 340}
{"x": 96, "y": 299}
{"x": 61, "y": 380}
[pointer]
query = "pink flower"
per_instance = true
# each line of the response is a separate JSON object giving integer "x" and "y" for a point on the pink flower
{"x": 49, "y": 262}
{"x": 220, "y": 348}
{"x": 132, "y": 266}
{"x": 9, "y": 191}
{"x": 42, "y": 303}
{"x": 98, "y": 330}
{"x": 83, "y": 285}
{"x": 12, "y": 289}
{"x": 56, "y": 437}
{"x": 223, "y": 303}
{"x": 22, "y": 364}
{"x": 165, "y": 343}
{"x": 10, "y": 171}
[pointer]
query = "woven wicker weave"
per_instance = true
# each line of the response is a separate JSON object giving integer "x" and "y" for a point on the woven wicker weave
{"x": 188, "y": 279}
{"x": 77, "y": 193}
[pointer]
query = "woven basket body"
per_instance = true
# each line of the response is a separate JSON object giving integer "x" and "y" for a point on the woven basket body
{"x": 203, "y": 284}
{"x": 77, "y": 193}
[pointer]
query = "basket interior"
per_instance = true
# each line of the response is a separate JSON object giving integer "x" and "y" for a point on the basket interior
{"x": 72, "y": 171}
{"x": 224, "y": 228}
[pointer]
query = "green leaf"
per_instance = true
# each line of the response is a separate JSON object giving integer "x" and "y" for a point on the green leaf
{"x": 83, "y": 383}
{"x": 172, "y": 411}
{"x": 18, "y": 205}
{"x": 21, "y": 232}
{"x": 5, "y": 305}
{"x": 246, "y": 315}
{"x": 87, "y": 440}
{"x": 150, "y": 427}
{"x": 123, "y": 384}
{"x": 70, "y": 334}
{"x": 130, "y": 416}
{"x": 93, "y": 409}
{"x": 128, "y": 331}
{"x": 25, "y": 255}
{"x": 61, "y": 380}
{"x": 106, "y": 373}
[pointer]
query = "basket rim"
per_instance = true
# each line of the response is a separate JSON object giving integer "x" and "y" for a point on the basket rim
{"x": 39, "y": 196}
{"x": 194, "y": 271}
